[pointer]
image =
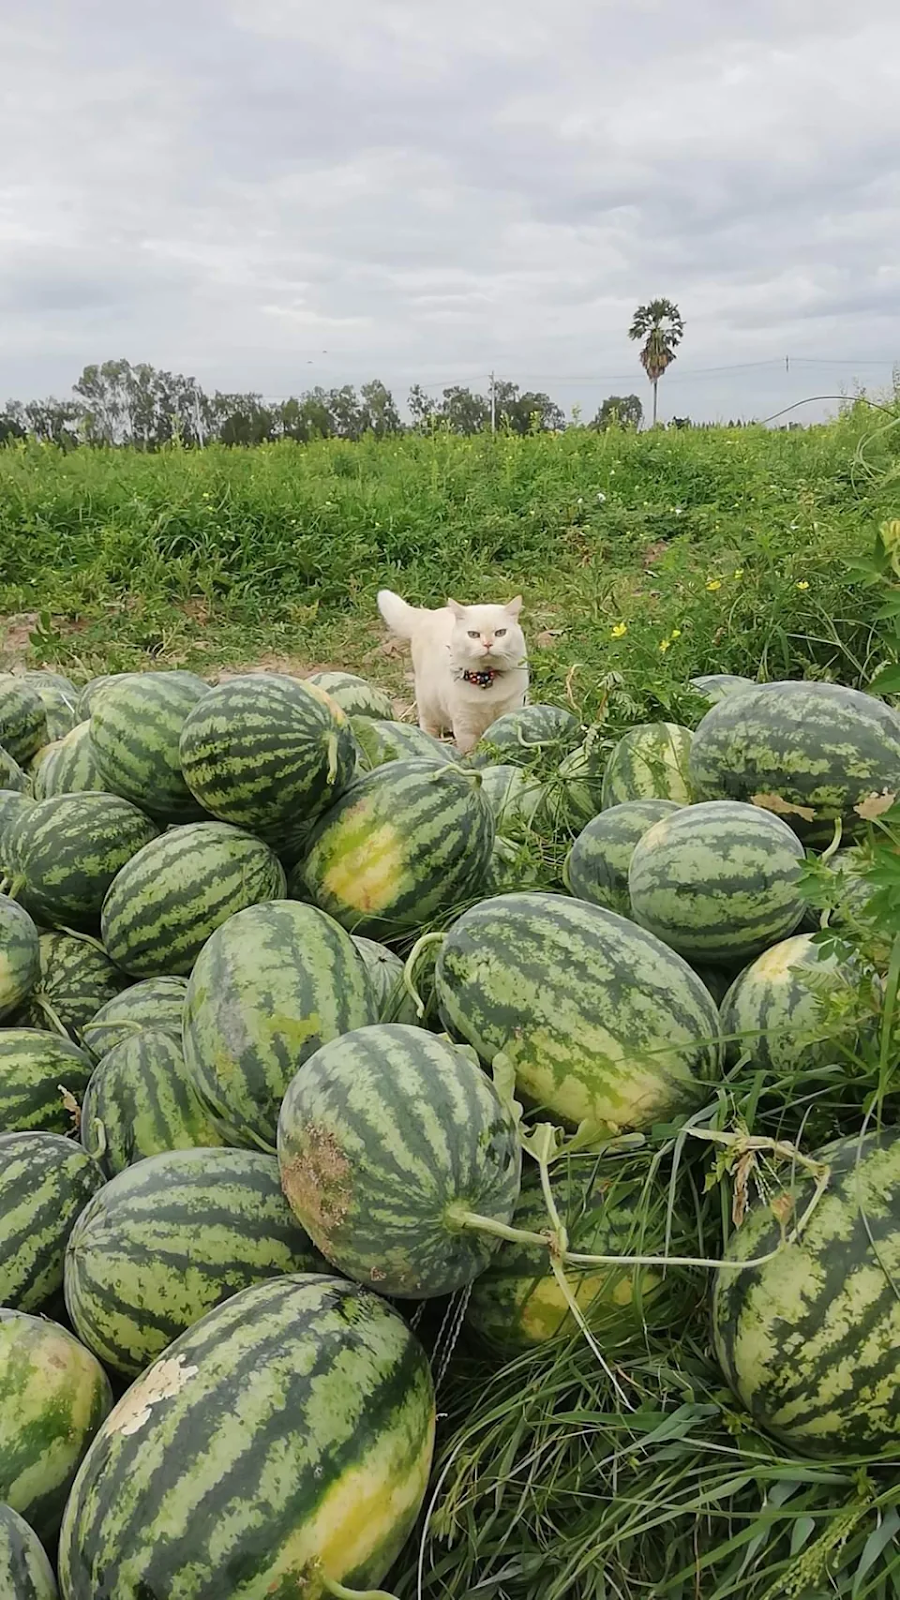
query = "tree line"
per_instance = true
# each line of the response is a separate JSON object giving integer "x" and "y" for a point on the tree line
{"x": 115, "y": 403}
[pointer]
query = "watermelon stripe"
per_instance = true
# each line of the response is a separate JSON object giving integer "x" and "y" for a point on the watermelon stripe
{"x": 291, "y": 1348}
{"x": 131, "y": 1284}
{"x": 154, "y": 1002}
{"x": 53, "y": 1397}
{"x": 141, "y": 1101}
{"x": 719, "y": 882}
{"x": 599, "y": 1018}
{"x": 808, "y": 1340}
{"x": 267, "y": 990}
{"x": 136, "y": 722}
{"x": 33, "y": 1065}
{"x": 173, "y": 894}
{"x": 808, "y": 751}
{"x": 264, "y": 751}
{"x": 25, "y": 1572}
{"x": 69, "y": 848}
{"x": 384, "y": 1220}
{"x": 405, "y": 841}
{"x": 45, "y": 1180}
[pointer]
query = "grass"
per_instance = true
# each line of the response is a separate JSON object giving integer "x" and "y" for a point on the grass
{"x": 644, "y": 559}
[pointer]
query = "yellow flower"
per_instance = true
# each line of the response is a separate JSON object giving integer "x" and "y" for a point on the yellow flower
{"x": 714, "y": 584}
{"x": 675, "y": 634}
{"x": 619, "y": 631}
{"x": 803, "y": 585}
{"x": 738, "y": 574}
{"x": 664, "y": 645}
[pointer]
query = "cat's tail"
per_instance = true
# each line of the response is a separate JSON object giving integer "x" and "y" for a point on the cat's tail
{"x": 400, "y": 618}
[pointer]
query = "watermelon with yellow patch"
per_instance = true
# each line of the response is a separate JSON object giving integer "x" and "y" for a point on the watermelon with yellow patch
{"x": 409, "y": 840}
{"x": 610, "y": 1206}
{"x": 287, "y": 1438}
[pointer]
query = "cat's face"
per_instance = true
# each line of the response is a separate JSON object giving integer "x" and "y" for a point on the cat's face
{"x": 487, "y": 636}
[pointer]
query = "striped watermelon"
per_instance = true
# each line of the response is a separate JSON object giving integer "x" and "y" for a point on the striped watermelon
{"x": 168, "y": 899}
{"x": 11, "y": 774}
{"x": 12, "y": 804}
{"x": 355, "y": 696}
{"x": 53, "y": 1397}
{"x": 607, "y": 1208}
{"x": 45, "y": 1181}
{"x": 601, "y": 1021}
{"x": 48, "y": 682}
{"x": 574, "y": 793}
{"x": 716, "y": 686}
{"x": 66, "y": 851}
{"x": 514, "y": 796}
{"x": 513, "y": 865}
{"x": 719, "y": 882}
{"x": 152, "y": 1003}
{"x": 267, "y": 753}
{"x": 531, "y": 734}
{"x": 384, "y": 1137}
{"x": 58, "y": 697}
{"x": 406, "y": 842}
{"x": 379, "y": 741}
{"x": 88, "y": 693}
{"x": 281, "y": 1445}
{"x": 141, "y": 1101}
{"x": 70, "y": 767}
{"x": 25, "y": 1572}
{"x": 394, "y": 1003}
{"x": 649, "y": 763}
{"x": 810, "y": 752}
{"x": 20, "y": 958}
{"x": 75, "y": 980}
{"x": 773, "y": 1013}
{"x": 136, "y": 724}
{"x": 808, "y": 1340}
{"x": 597, "y": 865}
{"x": 268, "y": 989}
{"x": 23, "y": 720}
{"x": 40, "y": 1074}
{"x": 169, "y": 1239}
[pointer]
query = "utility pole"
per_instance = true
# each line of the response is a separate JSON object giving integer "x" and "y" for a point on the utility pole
{"x": 493, "y": 404}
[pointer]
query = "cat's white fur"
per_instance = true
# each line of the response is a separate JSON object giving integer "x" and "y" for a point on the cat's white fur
{"x": 451, "y": 641}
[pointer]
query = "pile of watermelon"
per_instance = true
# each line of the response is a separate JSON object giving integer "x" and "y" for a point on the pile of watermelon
{"x": 285, "y": 988}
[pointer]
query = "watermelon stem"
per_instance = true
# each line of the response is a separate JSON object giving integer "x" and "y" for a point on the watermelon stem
{"x": 410, "y": 967}
{"x": 332, "y": 1587}
{"x": 458, "y": 1217}
{"x": 333, "y": 757}
{"x": 86, "y": 938}
{"x": 838, "y": 830}
{"x": 52, "y": 1016}
{"x": 12, "y": 887}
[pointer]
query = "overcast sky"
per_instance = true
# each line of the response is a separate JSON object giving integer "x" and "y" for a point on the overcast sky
{"x": 270, "y": 194}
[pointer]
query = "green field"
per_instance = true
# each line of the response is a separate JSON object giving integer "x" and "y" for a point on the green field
{"x": 643, "y": 558}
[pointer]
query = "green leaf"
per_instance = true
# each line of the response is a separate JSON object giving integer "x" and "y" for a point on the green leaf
{"x": 887, "y": 681}
{"x": 878, "y": 1539}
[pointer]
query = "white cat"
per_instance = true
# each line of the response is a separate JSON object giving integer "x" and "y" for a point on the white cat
{"x": 470, "y": 663}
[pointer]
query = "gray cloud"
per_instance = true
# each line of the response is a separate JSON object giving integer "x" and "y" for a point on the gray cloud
{"x": 270, "y": 194}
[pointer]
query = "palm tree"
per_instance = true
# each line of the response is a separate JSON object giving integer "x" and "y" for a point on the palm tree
{"x": 661, "y": 321}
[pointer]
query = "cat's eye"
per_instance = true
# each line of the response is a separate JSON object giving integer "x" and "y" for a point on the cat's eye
{"x": 474, "y": 634}
{"x": 499, "y": 633}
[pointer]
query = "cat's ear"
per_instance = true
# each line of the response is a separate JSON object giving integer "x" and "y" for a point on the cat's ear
{"x": 514, "y": 606}
{"x": 458, "y": 610}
